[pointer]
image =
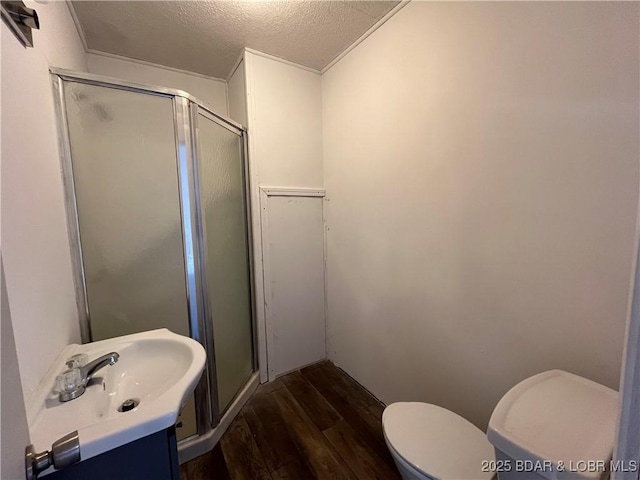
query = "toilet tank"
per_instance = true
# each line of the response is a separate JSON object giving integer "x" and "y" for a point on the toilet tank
{"x": 555, "y": 426}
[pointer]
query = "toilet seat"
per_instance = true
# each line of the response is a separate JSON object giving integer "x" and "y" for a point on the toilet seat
{"x": 436, "y": 441}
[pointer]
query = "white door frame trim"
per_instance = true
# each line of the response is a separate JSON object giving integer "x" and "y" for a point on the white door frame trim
{"x": 628, "y": 442}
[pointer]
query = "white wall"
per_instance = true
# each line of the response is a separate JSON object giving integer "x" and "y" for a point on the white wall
{"x": 14, "y": 435}
{"x": 481, "y": 167}
{"x": 284, "y": 107}
{"x": 211, "y": 91}
{"x": 35, "y": 246}
{"x": 237, "y": 93}
{"x": 285, "y": 122}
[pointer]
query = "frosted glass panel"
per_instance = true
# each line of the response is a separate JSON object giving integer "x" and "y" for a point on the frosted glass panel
{"x": 124, "y": 165}
{"x": 123, "y": 154}
{"x": 223, "y": 210}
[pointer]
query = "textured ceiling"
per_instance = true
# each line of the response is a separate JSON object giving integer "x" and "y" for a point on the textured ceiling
{"x": 208, "y": 36}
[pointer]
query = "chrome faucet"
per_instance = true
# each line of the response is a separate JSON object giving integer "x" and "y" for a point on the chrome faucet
{"x": 75, "y": 380}
{"x": 87, "y": 371}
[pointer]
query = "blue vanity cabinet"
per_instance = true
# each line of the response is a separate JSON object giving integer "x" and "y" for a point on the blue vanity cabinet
{"x": 154, "y": 457}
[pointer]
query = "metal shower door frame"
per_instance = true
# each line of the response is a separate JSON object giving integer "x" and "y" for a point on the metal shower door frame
{"x": 196, "y": 110}
{"x": 185, "y": 111}
{"x": 206, "y": 391}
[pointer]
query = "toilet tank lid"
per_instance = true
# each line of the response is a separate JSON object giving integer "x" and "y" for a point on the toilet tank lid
{"x": 558, "y": 417}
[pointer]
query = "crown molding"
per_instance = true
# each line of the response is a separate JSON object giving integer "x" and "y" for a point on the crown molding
{"x": 366, "y": 34}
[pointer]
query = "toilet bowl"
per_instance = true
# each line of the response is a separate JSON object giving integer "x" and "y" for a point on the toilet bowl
{"x": 540, "y": 429}
{"x": 428, "y": 442}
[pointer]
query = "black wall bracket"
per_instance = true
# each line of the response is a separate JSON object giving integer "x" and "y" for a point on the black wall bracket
{"x": 20, "y": 19}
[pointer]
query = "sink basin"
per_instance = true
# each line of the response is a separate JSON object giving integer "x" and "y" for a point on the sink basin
{"x": 157, "y": 369}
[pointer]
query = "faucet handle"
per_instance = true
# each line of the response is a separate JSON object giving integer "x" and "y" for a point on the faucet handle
{"x": 77, "y": 360}
{"x": 70, "y": 383}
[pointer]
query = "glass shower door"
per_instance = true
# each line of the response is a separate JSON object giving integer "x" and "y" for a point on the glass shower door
{"x": 158, "y": 218}
{"x": 123, "y": 152}
{"x": 223, "y": 210}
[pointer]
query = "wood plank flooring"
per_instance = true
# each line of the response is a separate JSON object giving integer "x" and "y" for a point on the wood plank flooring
{"x": 315, "y": 423}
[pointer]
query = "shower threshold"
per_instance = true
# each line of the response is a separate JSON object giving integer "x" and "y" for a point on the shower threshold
{"x": 193, "y": 447}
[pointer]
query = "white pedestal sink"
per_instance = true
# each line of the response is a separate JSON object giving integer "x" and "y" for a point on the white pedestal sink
{"x": 160, "y": 369}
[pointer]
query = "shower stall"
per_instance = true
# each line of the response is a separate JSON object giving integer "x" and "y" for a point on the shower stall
{"x": 157, "y": 206}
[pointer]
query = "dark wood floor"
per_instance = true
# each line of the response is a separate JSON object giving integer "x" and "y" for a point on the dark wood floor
{"x": 313, "y": 423}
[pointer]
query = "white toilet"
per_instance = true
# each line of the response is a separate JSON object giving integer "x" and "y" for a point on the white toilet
{"x": 431, "y": 442}
{"x": 553, "y": 426}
